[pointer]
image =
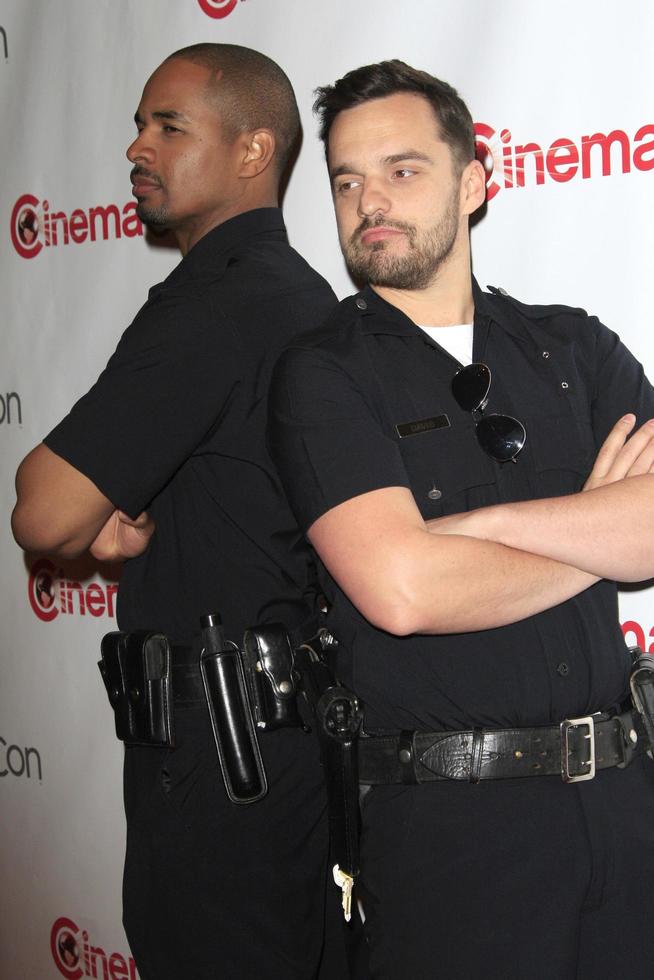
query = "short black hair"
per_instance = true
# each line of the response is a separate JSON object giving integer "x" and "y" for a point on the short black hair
{"x": 251, "y": 91}
{"x": 387, "y": 78}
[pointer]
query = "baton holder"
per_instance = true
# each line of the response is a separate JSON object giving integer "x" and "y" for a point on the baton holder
{"x": 232, "y": 723}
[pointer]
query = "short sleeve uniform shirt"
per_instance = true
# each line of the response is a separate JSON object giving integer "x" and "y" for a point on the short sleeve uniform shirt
{"x": 368, "y": 404}
{"x": 176, "y": 425}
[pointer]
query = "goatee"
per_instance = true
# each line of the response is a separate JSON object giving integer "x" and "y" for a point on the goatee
{"x": 153, "y": 217}
{"x": 418, "y": 267}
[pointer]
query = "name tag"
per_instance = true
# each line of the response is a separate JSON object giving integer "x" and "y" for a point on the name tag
{"x": 405, "y": 429}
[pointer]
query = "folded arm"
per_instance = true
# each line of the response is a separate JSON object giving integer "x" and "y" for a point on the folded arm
{"x": 59, "y": 511}
{"x": 404, "y": 579}
{"x": 607, "y": 531}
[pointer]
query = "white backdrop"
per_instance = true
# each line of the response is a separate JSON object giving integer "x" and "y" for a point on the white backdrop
{"x": 569, "y": 220}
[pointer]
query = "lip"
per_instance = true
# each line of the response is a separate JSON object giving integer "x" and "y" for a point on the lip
{"x": 379, "y": 234}
{"x": 141, "y": 187}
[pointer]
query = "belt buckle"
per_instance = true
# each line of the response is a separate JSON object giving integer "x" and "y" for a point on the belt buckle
{"x": 565, "y": 726}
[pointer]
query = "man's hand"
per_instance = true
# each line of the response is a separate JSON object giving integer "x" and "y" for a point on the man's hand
{"x": 620, "y": 456}
{"x": 122, "y": 538}
{"x": 608, "y": 532}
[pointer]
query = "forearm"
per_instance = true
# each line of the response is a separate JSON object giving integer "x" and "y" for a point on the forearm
{"x": 608, "y": 531}
{"x": 404, "y": 579}
{"x": 471, "y": 585}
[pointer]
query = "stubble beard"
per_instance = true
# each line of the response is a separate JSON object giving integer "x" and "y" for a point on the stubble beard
{"x": 153, "y": 217}
{"x": 418, "y": 267}
{"x": 158, "y": 218}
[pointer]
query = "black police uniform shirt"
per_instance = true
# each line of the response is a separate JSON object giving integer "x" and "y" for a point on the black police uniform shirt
{"x": 176, "y": 425}
{"x": 338, "y": 405}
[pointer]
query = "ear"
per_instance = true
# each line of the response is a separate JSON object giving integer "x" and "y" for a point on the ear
{"x": 473, "y": 187}
{"x": 259, "y": 152}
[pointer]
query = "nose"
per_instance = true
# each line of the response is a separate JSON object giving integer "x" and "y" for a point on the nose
{"x": 374, "y": 198}
{"x": 140, "y": 150}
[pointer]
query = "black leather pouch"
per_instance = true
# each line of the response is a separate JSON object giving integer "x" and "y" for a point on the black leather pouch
{"x": 136, "y": 670}
{"x": 269, "y": 663}
{"x": 641, "y": 683}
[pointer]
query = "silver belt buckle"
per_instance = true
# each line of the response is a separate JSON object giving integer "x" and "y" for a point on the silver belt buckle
{"x": 566, "y": 725}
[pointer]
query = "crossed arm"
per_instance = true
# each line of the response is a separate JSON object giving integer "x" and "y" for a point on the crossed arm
{"x": 59, "y": 511}
{"x": 499, "y": 564}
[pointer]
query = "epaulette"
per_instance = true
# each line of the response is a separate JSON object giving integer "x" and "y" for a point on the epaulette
{"x": 358, "y": 303}
{"x": 535, "y": 311}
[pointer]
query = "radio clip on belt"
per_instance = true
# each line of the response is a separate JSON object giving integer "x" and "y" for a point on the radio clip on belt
{"x": 338, "y": 717}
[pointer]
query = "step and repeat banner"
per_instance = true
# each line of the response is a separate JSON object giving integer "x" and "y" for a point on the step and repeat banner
{"x": 563, "y": 99}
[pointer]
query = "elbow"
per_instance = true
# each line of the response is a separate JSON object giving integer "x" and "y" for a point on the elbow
{"x": 407, "y": 619}
{"x": 35, "y": 534}
{"x": 398, "y": 610}
{"x": 397, "y": 622}
{"x": 20, "y": 527}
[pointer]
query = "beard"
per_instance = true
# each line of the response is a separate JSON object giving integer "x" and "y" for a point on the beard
{"x": 418, "y": 267}
{"x": 153, "y": 217}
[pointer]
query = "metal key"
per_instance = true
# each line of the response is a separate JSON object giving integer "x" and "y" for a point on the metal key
{"x": 345, "y": 882}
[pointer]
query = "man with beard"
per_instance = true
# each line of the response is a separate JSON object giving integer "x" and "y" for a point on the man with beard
{"x": 468, "y": 548}
{"x": 173, "y": 435}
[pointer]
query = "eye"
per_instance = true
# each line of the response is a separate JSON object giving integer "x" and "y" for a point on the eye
{"x": 403, "y": 172}
{"x": 170, "y": 129}
{"x": 343, "y": 186}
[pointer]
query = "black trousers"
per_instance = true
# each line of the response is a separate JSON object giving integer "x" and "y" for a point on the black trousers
{"x": 216, "y": 891}
{"x": 525, "y": 879}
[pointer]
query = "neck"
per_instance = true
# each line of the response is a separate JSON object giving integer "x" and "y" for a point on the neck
{"x": 188, "y": 236}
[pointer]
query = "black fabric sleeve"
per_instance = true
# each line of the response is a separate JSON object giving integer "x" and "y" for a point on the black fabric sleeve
{"x": 619, "y": 383}
{"x": 324, "y": 437}
{"x": 161, "y": 392}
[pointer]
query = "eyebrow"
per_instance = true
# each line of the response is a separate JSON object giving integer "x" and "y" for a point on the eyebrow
{"x": 346, "y": 168}
{"x": 163, "y": 114}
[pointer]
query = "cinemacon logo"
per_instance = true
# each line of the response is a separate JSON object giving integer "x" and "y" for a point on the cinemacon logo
{"x": 11, "y": 409}
{"x": 35, "y": 225}
{"x": 509, "y": 165}
{"x": 218, "y": 8}
{"x": 20, "y": 761}
{"x": 75, "y": 956}
{"x": 51, "y": 594}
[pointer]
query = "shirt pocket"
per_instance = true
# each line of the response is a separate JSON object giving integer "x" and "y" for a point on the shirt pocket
{"x": 448, "y": 471}
{"x": 563, "y": 450}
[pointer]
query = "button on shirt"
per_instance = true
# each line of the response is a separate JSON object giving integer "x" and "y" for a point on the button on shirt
{"x": 369, "y": 405}
{"x": 176, "y": 425}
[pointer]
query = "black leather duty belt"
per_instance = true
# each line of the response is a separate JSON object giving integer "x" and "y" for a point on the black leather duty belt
{"x": 573, "y": 750}
{"x": 187, "y": 680}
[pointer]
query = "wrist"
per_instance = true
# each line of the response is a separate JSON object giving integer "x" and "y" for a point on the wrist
{"x": 488, "y": 523}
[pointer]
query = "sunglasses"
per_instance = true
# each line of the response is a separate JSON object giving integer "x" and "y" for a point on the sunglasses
{"x": 500, "y": 436}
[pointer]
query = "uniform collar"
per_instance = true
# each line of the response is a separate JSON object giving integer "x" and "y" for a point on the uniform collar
{"x": 212, "y": 253}
{"x": 496, "y": 306}
{"x": 380, "y": 317}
